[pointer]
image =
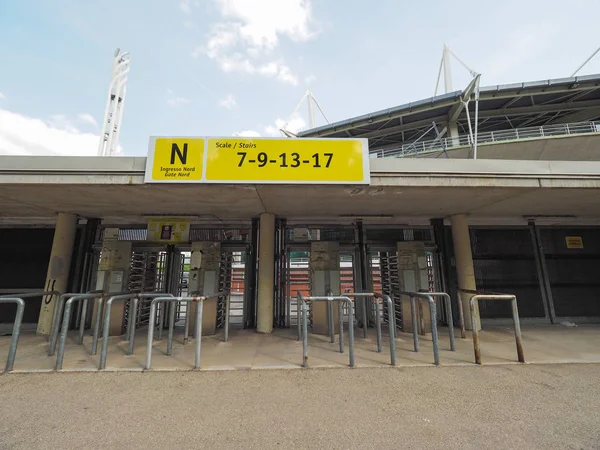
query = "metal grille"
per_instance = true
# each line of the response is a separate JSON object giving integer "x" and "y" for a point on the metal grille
{"x": 338, "y": 234}
{"x": 142, "y": 278}
{"x": 504, "y": 261}
{"x": 298, "y": 280}
{"x": 390, "y": 284}
{"x": 219, "y": 235}
{"x": 226, "y": 270}
{"x": 382, "y": 235}
{"x": 573, "y": 273}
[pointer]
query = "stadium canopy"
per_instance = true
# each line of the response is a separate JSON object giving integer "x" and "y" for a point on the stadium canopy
{"x": 501, "y": 107}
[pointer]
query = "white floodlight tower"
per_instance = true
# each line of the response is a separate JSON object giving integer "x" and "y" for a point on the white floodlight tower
{"x": 113, "y": 114}
{"x": 472, "y": 88}
{"x": 310, "y": 100}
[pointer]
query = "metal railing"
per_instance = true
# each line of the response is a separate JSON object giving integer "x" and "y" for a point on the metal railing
{"x": 65, "y": 324}
{"x": 340, "y": 299}
{"x": 465, "y": 140}
{"x": 473, "y": 304}
{"x": 198, "y": 326}
{"x": 429, "y": 297}
{"x": 131, "y": 325}
{"x": 12, "y": 351}
{"x": 379, "y": 299}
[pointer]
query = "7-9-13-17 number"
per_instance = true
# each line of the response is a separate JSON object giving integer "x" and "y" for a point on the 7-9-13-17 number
{"x": 285, "y": 160}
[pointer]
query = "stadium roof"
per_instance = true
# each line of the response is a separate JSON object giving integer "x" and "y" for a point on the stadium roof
{"x": 502, "y": 107}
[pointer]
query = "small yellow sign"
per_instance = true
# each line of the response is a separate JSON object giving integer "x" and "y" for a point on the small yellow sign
{"x": 287, "y": 160}
{"x": 170, "y": 230}
{"x": 175, "y": 160}
{"x": 574, "y": 241}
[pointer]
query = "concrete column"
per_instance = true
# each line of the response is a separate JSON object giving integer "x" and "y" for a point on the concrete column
{"x": 325, "y": 277}
{"x": 453, "y": 132}
{"x": 57, "y": 276}
{"x": 266, "y": 273}
{"x": 113, "y": 275}
{"x": 464, "y": 264}
{"x": 205, "y": 269}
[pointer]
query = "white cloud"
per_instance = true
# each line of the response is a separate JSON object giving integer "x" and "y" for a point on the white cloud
{"x": 228, "y": 102}
{"x": 186, "y": 6}
{"x": 2, "y": 96}
{"x": 245, "y": 42}
{"x": 294, "y": 124}
{"x": 87, "y": 118}
{"x": 23, "y": 135}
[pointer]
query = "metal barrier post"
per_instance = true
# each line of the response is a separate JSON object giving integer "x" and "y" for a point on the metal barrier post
{"x": 65, "y": 326}
{"x": 351, "y": 330}
{"x": 198, "y": 325}
{"x": 391, "y": 325}
{"x": 97, "y": 321}
{"x": 330, "y": 320}
{"x": 304, "y": 314}
{"x": 366, "y": 321}
{"x": 171, "y": 319}
{"x": 106, "y": 326}
{"x": 433, "y": 313}
{"x": 341, "y": 320}
{"x": 186, "y": 326}
{"x": 378, "y": 322}
{"x": 131, "y": 322}
{"x": 515, "y": 313}
{"x": 12, "y": 351}
{"x": 298, "y": 314}
{"x": 198, "y": 332}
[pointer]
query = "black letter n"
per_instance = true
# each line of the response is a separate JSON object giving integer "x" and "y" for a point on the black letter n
{"x": 181, "y": 155}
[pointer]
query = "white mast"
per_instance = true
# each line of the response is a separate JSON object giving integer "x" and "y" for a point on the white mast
{"x": 310, "y": 101}
{"x": 113, "y": 113}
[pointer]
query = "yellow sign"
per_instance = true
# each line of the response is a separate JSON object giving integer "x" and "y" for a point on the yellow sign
{"x": 175, "y": 160}
{"x": 287, "y": 160}
{"x": 574, "y": 241}
{"x": 258, "y": 160}
{"x": 169, "y": 230}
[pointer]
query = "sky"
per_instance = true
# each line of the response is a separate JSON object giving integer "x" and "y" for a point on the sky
{"x": 240, "y": 67}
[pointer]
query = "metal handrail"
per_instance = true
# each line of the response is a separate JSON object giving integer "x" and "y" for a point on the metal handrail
{"x": 12, "y": 350}
{"x": 198, "y": 328}
{"x": 331, "y": 299}
{"x": 516, "y": 134}
{"x": 57, "y": 314}
{"x": 134, "y": 297}
{"x": 473, "y": 304}
{"x": 428, "y": 296}
{"x": 379, "y": 298}
{"x": 65, "y": 324}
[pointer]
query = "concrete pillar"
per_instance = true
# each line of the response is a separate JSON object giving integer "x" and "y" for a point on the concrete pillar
{"x": 325, "y": 277}
{"x": 413, "y": 277}
{"x": 266, "y": 273}
{"x": 464, "y": 264}
{"x": 57, "y": 276}
{"x": 205, "y": 269}
{"x": 453, "y": 133}
{"x": 113, "y": 275}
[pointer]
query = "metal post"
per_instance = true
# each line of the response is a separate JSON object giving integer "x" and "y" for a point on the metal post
{"x": 298, "y": 314}
{"x": 304, "y": 314}
{"x": 476, "y": 346}
{"x": 186, "y": 327}
{"x": 434, "y": 333}
{"x": 198, "y": 333}
{"x": 413, "y": 315}
{"x": 12, "y": 351}
{"x": 341, "y": 320}
{"x": 365, "y": 318}
{"x": 171, "y": 319}
{"x": 515, "y": 313}
{"x": 351, "y": 331}
{"x": 63, "y": 333}
{"x": 161, "y": 320}
{"x": 84, "y": 307}
{"x": 132, "y": 324}
{"x": 97, "y": 320}
{"x": 391, "y": 328}
{"x": 330, "y": 321}
{"x": 450, "y": 321}
{"x": 150, "y": 334}
{"x": 378, "y": 309}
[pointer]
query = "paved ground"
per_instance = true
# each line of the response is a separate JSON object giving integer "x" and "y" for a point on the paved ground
{"x": 501, "y": 406}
